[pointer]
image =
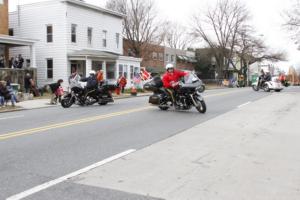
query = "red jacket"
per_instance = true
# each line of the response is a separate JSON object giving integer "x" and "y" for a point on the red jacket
{"x": 168, "y": 78}
{"x": 122, "y": 81}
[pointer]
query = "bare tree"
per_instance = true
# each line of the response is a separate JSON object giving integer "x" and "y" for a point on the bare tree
{"x": 292, "y": 21}
{"x": 219, "y": 27}
{"x": 177, "y": 36}
{"x": 141, "y": 26}
{"x": 251, "y": 48}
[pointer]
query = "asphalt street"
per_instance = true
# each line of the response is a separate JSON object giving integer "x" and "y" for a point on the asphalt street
{"x": 40, "y": 145}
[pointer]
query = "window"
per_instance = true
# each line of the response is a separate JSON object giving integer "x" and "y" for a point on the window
{"x": 117, "y": 39}
{"x": 154, "y": 55}
{"x": 130, "y": 52}
{"x": 1, "y": 1}
{"x": 121, "y": 70}
{"x": 104, "y": 38}
{"x": 49, "y": 33}
{"x": 131, "y": 72}
{"x": 110, "y": 70}
{"x": 167, "y": 57}
{"x": 73, "y": 33}
{"x": 172, "y": 58}
{"x": 161, "y": 56}
{"x": 136, "y": 71}
{"x": 11, "y": 32}
{"x": 89, "y": 34}
{"x": 125, "y": 71}
{"x": 97, "y": 65}
{"x": 50, "y": 68}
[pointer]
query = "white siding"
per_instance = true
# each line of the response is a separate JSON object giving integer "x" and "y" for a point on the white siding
{"x": 33, "y": 21}
{"x": 98, "y": 21}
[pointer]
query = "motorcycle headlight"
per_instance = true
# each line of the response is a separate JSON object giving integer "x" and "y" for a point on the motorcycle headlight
{"x": 199, "y": 89}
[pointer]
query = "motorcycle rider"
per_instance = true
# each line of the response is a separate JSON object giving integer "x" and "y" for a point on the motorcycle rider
{"x": 91, "y": 82}
{"x": 170, "y": 80}
{"x": 264, "y": 77}
{"x": 261, "y": 78}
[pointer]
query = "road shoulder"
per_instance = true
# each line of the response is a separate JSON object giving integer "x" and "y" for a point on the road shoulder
{"x": 252, "y": 155}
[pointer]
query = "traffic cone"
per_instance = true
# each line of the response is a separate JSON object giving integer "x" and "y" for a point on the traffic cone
{"x": 133, "y": 91}
{"x": 118, "y": 91}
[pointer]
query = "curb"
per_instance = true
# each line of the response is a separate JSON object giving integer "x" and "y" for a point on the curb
{"x": 47, "y": 106}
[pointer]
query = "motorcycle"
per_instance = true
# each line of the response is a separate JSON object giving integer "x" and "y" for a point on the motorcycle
{"x": 267, "y": 86}
{"x": 78, "y": 95}
{"x": 187, "y": 95}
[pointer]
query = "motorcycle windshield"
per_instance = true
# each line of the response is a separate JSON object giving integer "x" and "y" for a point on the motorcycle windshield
{"x": 190, "y": 78}
{"x": 191, "y": 81}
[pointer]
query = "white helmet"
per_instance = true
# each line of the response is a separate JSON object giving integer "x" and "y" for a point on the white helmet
{"x": 92, "y": 72}
{"x": 169, "y": 66}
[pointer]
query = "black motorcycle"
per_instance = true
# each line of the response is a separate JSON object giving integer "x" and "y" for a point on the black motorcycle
{"x": 187, "y": 95}
{"x": 81, "y": 96}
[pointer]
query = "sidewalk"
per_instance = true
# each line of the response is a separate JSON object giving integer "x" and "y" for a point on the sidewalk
{"x": 45, "y": 102}
{"x": 253, "y": 154}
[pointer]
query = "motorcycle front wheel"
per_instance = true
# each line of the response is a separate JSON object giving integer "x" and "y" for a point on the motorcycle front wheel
{"x": 67, "y": 102}
{"x": 255, "y": 87}
{"x": 201, "y": 106}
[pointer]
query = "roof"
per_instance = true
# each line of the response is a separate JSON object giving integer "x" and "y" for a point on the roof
{"x": 93, "y": 7}
{"x": 16, "y": 41}
{"x": 187, "y": 59}
{"x": 93, "y": 53}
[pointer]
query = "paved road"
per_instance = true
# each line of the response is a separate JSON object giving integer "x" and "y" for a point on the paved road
{"x": 40, "y": 145}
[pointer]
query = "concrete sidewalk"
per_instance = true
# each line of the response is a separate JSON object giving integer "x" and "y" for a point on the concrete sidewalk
{"x": 252, "y": 154}
{"x": 43, "y": 103}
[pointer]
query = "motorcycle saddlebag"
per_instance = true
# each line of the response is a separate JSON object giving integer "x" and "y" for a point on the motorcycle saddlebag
{"x": 154, "y": 99}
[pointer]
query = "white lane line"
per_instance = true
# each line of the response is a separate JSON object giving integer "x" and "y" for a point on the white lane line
{"x": 12, "y": 117}
{"x": 68, "y": 176}
{"x": 244, "y": 104}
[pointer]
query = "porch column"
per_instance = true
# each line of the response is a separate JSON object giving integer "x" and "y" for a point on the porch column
{"x": 32, "y": 56}
{"x": 117, "y": 70}
{"x": 88, "y": 64}
{"x": 104, "y": 69}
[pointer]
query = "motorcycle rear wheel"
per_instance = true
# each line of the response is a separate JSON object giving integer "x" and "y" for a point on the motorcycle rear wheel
{"x": 266, "y": 88}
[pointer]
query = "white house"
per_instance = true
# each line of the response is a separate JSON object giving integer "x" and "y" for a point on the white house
{"x": 72, "y": 35}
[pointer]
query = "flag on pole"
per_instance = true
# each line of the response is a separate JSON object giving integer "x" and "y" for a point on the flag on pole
{"x": 144, "y": 74}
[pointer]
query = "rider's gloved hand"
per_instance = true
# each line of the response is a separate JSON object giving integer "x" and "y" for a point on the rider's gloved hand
{"x": 174, "y": 84}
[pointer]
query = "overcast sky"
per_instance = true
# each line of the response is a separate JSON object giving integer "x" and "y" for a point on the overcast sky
{"x": 266, "y": 17}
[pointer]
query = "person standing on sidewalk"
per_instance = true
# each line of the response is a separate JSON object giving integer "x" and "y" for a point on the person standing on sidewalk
{"x": 122, "y": 83}
{"x": 6, "y": 94}
{"x": 100, "y": 77}
{"x": 55, "y": 91}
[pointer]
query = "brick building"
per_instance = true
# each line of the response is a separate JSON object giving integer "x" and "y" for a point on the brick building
{"x": 4, "y": 25}
{"x": 4, "y": 17}
{"x": 155, "y": 57}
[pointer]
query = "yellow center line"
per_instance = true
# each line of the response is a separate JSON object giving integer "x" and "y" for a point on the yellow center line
{"x": 84, "y": 120}
{"x": 69, "y": 123}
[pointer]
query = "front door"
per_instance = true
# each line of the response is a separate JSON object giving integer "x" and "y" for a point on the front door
{"x": 78, "y": 66}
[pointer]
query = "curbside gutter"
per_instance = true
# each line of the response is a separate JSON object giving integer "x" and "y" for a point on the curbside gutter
{"x": 20, "y": 108}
